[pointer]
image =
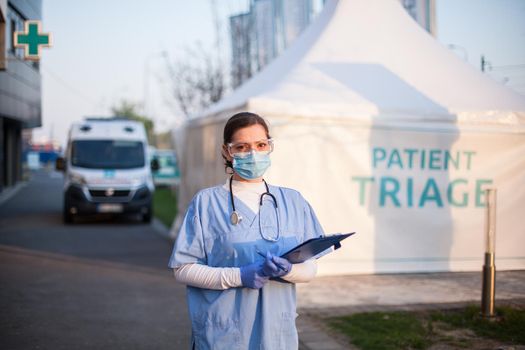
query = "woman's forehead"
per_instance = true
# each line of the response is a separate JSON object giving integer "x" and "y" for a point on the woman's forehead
{"x": 250, "y": 133}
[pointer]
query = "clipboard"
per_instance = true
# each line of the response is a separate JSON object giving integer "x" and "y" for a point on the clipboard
{"x": 314, "y": 246}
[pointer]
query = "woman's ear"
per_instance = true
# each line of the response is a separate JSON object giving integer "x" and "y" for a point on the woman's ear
{"x": 225, "y": 153}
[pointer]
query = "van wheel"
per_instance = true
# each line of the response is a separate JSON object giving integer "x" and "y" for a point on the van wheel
{"x": 67, "y": 216}
{"x": 146, "y": 218}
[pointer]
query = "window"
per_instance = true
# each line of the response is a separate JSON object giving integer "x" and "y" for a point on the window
{"x": 107, "y": 154}
{"x": 16, "y": 24}
{"x": 11, "y": 33}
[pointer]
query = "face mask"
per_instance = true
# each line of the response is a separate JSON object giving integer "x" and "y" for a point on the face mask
{"x": 251, "y": 166}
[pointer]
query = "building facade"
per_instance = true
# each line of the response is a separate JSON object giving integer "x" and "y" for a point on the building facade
{"x": 270, "y": 26}
{"x": 263, "y": 33}
{"x": 423, "y": 12}
{"x": 242, "y": 53}
{"x": 20, "y": 88}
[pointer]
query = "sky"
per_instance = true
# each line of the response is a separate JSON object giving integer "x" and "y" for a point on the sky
{"x": 107, "y": 51}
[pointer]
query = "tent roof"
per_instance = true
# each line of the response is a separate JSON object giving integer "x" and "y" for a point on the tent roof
{"x": 366, "y": 59}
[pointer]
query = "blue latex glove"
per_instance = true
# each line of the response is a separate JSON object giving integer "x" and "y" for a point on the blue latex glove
{"x": 275, "y": 266}
{"x": 252, "y": 277}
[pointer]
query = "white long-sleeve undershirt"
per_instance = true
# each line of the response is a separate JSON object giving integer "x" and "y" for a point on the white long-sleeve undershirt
{"x": 220, "y": 278}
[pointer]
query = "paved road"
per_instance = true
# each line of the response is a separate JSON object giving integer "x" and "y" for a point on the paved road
{"x": 92, "y": 285}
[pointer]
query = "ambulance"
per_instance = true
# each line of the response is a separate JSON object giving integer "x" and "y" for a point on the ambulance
{"x": 107, "y": 169}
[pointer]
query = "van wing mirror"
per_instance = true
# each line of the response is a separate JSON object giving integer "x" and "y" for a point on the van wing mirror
{"x": 60, "y": 164}
{"x": 155, "y": 165}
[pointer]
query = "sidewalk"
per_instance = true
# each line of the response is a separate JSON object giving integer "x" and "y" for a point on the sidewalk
{"x": 343, "y": 295}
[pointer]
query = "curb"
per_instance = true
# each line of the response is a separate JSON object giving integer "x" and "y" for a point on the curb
{"x": 162, "y": 229}
{"x": 9, "y": 192}
{"x": 313, "y": 337}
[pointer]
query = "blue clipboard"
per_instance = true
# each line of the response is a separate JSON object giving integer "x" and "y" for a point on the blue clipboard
{"x": 314, "y": 246}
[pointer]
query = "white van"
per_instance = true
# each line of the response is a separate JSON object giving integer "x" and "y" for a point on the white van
{"x": 107, "y": 169}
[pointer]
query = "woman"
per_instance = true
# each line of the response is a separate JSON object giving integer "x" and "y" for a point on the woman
{"x": 241, "y": 294}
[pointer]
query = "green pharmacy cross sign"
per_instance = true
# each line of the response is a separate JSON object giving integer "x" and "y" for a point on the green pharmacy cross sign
{"x": 31, "y": 40}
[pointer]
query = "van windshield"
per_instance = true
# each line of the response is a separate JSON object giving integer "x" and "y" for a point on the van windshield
{"x": 104, "y": 154}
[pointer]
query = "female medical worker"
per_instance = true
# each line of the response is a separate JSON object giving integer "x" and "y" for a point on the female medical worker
{"x": 240, "y": 293}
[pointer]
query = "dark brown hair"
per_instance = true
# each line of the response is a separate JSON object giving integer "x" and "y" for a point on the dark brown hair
{"x": 239, "y": 121}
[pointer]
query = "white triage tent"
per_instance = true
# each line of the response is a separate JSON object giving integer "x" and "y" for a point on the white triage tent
{"x": 387, "y": 133}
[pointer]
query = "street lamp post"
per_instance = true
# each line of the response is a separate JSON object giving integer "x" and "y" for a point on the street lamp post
{"x": 488, "y": 292}
{"x": 485, "y": 64}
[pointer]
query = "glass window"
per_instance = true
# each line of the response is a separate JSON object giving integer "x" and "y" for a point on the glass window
{"x": 16, "y": 24}
{"x": 10, "y": 33}
{"x": 107, "y": 154}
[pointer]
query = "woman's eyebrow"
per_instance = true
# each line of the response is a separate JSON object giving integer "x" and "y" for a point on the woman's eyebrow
{"x": 259, "y": 140}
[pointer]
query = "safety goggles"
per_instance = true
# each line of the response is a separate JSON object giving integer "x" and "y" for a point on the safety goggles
{"x": 243, "y": 149}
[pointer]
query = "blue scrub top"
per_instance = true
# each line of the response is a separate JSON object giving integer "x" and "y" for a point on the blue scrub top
{"x": 242, "y": 318}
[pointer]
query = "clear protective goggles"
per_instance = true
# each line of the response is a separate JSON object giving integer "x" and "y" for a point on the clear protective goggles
{"x": 243, "y": 149}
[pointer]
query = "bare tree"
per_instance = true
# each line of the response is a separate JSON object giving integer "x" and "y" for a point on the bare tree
{"x": 196, "y": 79}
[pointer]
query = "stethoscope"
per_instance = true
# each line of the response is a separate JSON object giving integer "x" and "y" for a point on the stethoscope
{"x": 236, "y": 218}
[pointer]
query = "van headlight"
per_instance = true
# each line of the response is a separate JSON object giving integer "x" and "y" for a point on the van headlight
{"x": 139, "y": 180}
{"x": 77, "y": 179}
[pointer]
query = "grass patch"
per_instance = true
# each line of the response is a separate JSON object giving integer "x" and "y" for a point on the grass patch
{"x": 461, "y": 328}
{"x": 164, "y": 205}
{"x": 509, "y": 326}
{"x": 382, "y": 330}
